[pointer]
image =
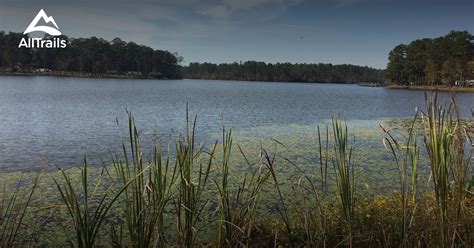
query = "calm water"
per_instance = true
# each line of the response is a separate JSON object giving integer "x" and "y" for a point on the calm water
{"x": 47, "y": 120}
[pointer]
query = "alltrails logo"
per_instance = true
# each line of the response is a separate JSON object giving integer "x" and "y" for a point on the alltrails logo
{"x": 40, "y": 42}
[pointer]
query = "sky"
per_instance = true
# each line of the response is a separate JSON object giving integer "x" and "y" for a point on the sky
{"x": 360, "y": 32}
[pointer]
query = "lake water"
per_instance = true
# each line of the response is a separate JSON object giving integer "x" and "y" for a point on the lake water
{"x": 56, "y": 121}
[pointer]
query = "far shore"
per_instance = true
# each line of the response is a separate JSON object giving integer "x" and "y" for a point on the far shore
{"x": 127, "y": 76}
{"x": 80, "y": 75}
{"x": 431, "y": 88}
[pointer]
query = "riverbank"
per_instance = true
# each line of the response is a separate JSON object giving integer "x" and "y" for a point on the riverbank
{"x": 431, "y": 88}
{"x": 131, "y": 76}
{"x": 82, "y": 75}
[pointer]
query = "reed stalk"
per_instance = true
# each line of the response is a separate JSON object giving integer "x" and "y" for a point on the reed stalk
{"x": 323, "y": 158}
{"x": 345, "y": 178}
{"x": 444, "y": 143}
{"x": 405, "y": 156}
{"x": 194, "y": 173}
{"x": 86, "y": 210}
{"x": 237, "y": 205}
{"x": 13, "y": 209}
{"x": 151, "y": 188}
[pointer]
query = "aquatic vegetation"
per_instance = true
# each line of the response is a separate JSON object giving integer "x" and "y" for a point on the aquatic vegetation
{"x": 194, "y": 169}
{"x": 405, "y": 156}
{"x": 87, "y": 216}
{"x": 13, "y": 209}
{"x": 268, "y": 186}
{"x": 345, "y": 177}
{"x": 238, "y": 204}
{"x": 445, "y": 145}
{"x": 148, "y": 190}
{"x": 323, "y": 158}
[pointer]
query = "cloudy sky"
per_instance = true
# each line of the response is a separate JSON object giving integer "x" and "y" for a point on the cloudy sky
{"x": 312, "y": 31}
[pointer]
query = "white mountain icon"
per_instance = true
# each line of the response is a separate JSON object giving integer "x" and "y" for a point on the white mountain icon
{"x": 47, "y": 19}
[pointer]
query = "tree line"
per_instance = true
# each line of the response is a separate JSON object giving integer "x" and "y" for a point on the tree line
{"x": 439, "y": 61}
{"x": 89, "y": 55}
{"x": 284, "y": 72}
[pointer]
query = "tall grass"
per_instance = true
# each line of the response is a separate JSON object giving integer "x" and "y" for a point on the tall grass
{"x": 313, "y": 214}
{"x": 405, "y": 156}
{"x": 323, "y": 158}
{"x": 225, "y": 233}
{"x": 87, "y": 210}
{"x": 284, "y": 213}
{"x": 13, "y": 208}
{"x": 444, "y": 143}
{"x": 238, "y": 202}
{"x": 194, "y": 173}
{"x": 462, "y": 159}
{"x": 148, "y": 189}
{"x": 345, "y": 179}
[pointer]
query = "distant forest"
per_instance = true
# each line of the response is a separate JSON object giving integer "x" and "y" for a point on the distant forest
{"x": 89, "y": 55}
{"x": 440, "y": 61}
{"x": 284, "y": 72}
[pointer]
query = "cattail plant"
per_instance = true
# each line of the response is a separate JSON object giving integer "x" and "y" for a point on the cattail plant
{"x": 444, "y": 143}
{"x": 237, "y": 204}
{"x": 344, "y": 171}
{"x": 194, "y": 171}
{"x": 439, "y": 140}
{"x": 323, "y": 158}
{"x": 151, "y": 187}
{"x": 405, "y": 156}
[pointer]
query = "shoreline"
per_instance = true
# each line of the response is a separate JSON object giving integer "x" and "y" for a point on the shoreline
{"x": 80, "y": 75}
{"x": 431, "y": 88}
{"x": 124, "y": 76}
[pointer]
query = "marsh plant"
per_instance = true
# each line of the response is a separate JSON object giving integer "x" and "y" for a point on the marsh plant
{"x": 444, "y": 143}
{"x": 345, "y": 178}
{"x": 313, "y": 213}
{"x": 194, "y": 166}
{"x": 323, "y": 158}
{"x": 192, "y": 194}
{"x": 86, "y": 208}
{"x": 13, "y": 209}
{"x": 238, "y": 202}
{"x": 148, "y": 189}
{"x": 405, "y": 155}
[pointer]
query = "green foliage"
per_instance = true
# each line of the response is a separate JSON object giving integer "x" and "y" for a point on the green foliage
{"x": 89, "y": 55}
{"x": 442, "y": 60}
{"x": 345, "y": 177}
{"x": 13, "y": 209}
{"x": 194, "y": 170}
{"x": 405, "y": 156}
{"x": 148, "y": 190}
{"x": 449, "y": 168}
{"x": 86, "y": 210}
{"x": 238, "y": 201}
{"x": 283, "y": 72}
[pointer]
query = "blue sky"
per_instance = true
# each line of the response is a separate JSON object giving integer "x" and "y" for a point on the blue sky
{"x": 342, "y": 31}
